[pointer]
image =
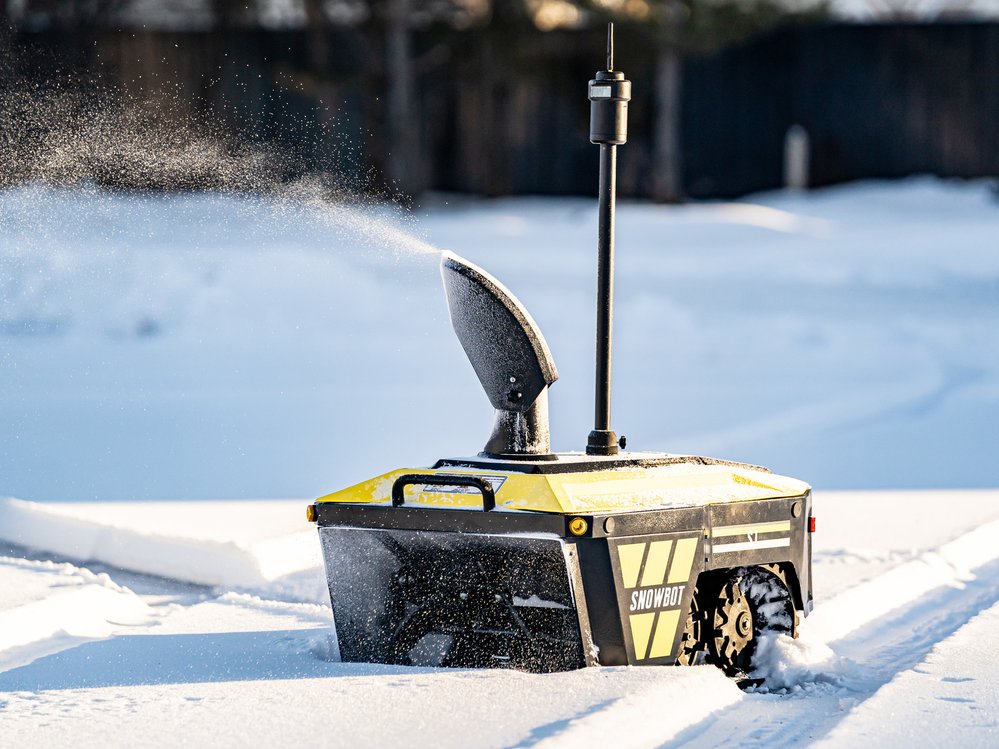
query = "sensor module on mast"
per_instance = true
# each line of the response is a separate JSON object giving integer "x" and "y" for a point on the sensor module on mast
{"x": 609, "y": 94}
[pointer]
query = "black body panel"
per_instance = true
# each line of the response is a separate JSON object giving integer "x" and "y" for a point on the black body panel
{"x": 626, "y": 577}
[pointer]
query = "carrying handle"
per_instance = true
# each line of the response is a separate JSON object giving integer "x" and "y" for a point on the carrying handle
{"x": 443, "y": 479}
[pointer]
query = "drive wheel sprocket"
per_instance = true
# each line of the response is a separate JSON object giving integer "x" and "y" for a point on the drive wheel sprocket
{"x": 732, "y": 640}
{"x": 752, "y": 601}
{"x": 697, "y": 629}
{"x": 692, "y": 641}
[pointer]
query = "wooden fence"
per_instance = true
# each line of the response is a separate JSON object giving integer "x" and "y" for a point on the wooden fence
{"x": 497, "y": 117}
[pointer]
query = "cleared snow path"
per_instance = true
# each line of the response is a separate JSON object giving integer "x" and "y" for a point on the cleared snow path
{"x": 240, "y": 668}
{"x": 949, "y": 699}
{"x": 892, "y": 620}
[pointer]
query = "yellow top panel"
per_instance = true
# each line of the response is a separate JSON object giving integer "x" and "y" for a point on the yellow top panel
{"x": 586, "y": 492}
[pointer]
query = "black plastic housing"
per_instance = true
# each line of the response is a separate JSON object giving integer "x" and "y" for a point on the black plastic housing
{"x": 609, "y": 94}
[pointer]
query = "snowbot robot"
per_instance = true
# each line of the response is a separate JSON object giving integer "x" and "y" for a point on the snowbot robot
{"x": 523, "y": 558}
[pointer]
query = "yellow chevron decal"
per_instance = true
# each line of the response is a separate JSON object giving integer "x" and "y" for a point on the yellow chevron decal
{"x": 630, "y": 556}
{"x": 656, "y": 575}
{"x": 662, "y": 641}
{"x": 683, "y": 558}
{"x": 641, "y": 628}
{"x": 655, "y": 563}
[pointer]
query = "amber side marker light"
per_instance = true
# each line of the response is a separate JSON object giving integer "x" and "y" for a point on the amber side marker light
{"x": 310, "y": 513}
{"x": 578, "y": 526}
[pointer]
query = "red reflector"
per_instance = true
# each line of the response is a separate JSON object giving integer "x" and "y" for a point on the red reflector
{"x": 811, "y": 525}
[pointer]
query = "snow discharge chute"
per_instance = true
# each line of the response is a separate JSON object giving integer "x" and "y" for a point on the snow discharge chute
{"x": 508, "y": 353}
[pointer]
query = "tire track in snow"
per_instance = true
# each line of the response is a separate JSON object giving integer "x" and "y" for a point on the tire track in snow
{"x": 901, "y": 616}
{"x": 647, "y": 717}
{"x": 854, "y": 671}
{"x": 949, "y": 699}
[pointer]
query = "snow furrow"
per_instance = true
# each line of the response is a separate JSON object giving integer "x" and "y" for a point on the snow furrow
{"x": 942, "y": 701}
{"x": 201, "y": 542}
{"x": 895, "y": 619}
{"x": 950, "y": 564}
{"x": 647, "y": 718}
{"x": 823, "y": 684}
{"x": 68, "y": 605}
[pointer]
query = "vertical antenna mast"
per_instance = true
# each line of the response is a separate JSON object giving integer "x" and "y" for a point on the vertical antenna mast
{"x": 610, "y": 46}
{"x": 609, "y": 94}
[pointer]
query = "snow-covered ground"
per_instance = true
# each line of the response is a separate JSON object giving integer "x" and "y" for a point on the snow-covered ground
{"x": 902, "y": 644}
{"x": 202, "y": 346}
{"x": 208, "y": 346}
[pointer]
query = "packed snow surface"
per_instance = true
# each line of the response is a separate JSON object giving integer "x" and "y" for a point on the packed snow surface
{"x": 91, "y": 653}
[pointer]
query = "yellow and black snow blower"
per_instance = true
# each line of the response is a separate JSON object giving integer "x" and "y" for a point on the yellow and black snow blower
{"x": 523, "y": 558}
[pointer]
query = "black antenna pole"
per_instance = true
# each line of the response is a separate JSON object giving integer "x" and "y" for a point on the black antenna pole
{"x": 609, "y": 94}
{"x": 610, "y": 46}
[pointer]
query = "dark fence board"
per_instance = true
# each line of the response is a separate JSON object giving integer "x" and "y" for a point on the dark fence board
{"x": 509, "y": 115}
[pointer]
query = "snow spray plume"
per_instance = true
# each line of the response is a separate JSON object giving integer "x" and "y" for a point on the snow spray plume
{"x": 120, "y": 171}
{"x": 99, "y": 138}
{"x": 68, "y": 138}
